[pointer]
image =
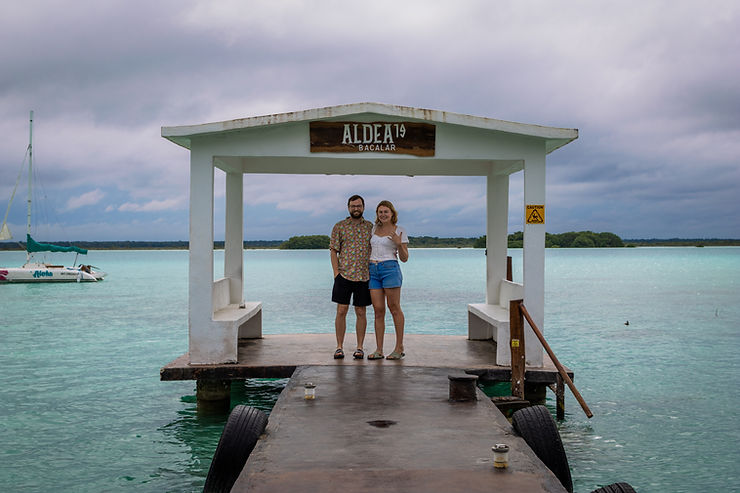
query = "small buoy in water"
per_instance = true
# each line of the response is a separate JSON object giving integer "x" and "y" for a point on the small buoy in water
{"x": 627, "y": 322}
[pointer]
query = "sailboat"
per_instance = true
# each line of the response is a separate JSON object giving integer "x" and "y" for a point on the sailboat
{"x": 38, "y": 271}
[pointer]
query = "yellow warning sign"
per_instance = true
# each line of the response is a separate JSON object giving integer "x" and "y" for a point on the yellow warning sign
{"x": 535, "y": 214}
{"x": 515, "y": 343}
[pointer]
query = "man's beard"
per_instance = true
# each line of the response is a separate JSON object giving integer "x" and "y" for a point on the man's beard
{"x": 356, "y": 214}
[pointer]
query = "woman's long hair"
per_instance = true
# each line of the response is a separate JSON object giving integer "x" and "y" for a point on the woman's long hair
{"x": 394, "y": 214}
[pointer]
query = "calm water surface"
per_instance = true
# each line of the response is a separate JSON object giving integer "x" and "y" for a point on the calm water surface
{"x": 83, "y": 409}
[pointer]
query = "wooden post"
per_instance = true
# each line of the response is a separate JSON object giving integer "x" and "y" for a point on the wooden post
{"x": 509, "y": 274}
{"x": 516, "y": 331}
{"x": 560, "y": 397}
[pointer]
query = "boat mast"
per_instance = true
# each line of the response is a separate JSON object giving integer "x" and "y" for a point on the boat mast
{"x": 30, "y": 166}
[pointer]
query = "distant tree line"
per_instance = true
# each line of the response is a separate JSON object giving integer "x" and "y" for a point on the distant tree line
{"x": 698, "y": 242}
{"x": 322, "y": 242}
{"x": 571, "y": 239}
{"x": 582, "y": 239}
{"x": 435, "y": 242}
{"x": 139, "y": 245}
{"x": 315, "y": 242}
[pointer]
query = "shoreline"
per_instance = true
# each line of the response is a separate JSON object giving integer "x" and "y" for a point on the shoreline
{"x": 155, "y": 248}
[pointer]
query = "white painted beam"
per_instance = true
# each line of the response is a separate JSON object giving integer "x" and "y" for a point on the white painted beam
{"x": 202, "y": 346}
{"x": 534, "y": 256}
{"x": 234, "y": 237}
{"x": 497, "y": 225}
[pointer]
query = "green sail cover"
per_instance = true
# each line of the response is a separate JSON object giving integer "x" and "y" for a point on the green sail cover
{"x": 33, "y": 246}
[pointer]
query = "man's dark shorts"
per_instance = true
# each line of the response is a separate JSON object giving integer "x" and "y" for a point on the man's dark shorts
{"x": 345, "y": 289}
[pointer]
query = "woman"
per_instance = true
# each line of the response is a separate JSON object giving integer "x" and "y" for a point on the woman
{"x": 388, "y": 243}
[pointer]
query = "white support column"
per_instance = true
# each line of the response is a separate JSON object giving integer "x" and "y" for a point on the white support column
{"x": 234, "y": 237}
{"x": 534, "y": 256}
{"x": 497, "y": 228}
{"x": 200, "y": 286}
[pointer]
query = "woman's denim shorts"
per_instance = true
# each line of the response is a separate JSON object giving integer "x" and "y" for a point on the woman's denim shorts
{"x": 386, "y": 274}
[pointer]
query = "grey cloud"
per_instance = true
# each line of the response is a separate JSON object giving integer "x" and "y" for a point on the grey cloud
{"x": 651, "y": 86}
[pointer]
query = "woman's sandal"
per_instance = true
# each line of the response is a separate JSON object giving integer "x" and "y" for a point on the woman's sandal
{"x": 338, "y": 354}
{"x": 375, "y": 355}
{"x": 395, "y": 355}
{"x": 358, "y": 354}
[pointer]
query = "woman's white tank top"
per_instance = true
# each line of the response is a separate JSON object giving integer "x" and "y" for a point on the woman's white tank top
{"x": 383, "y": 248}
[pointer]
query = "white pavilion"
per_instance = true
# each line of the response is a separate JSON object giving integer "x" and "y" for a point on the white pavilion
{"x": 363, "y": 139}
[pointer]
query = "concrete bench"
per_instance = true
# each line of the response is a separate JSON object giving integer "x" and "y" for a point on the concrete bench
{"x": 245, "y": 320}
{"x": 492, "y": 321}
{"x": 239, "y": 320}
{"x": 230, "y": 321}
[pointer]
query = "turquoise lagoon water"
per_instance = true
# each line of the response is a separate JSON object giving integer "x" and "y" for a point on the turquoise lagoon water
{"x": 83, "y": 409}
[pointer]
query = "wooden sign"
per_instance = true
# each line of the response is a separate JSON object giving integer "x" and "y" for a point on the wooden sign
{"x": 412, "y": 138}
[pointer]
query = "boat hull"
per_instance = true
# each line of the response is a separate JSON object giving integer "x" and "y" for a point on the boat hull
{"x": 38, "y": 273}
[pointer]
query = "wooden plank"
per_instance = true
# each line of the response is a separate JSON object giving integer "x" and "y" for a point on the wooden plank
{"x": 560, "y": 397}
{"x": 509, "y": 404}
{"x": 417, "y": 139}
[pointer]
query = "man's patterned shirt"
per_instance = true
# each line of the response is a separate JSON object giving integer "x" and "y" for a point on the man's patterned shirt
{"x": 352, "y": 241}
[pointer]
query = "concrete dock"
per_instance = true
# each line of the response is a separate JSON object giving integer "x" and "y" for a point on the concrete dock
{"x": 277, "y": 356}
{"x": 386, "y": 427}
{"x": 379, "y": 425}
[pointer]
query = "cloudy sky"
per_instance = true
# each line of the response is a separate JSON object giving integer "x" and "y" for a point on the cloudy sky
{"x": 652, "y": 86}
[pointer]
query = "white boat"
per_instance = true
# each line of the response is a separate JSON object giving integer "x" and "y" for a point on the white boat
{"x": 39, "y": 271}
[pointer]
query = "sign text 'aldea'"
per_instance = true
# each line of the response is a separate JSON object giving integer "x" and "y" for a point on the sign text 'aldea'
{"x": 386, "y": 137}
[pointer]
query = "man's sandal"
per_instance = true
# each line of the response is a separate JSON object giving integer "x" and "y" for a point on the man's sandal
{"x": 395, "y": 355}
{"x": 338, "y": 354}
{"x": 376, "y": 355}
{"x": 358, "y": 354}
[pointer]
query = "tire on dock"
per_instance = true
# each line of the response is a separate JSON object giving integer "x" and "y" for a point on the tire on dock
{"x": 536, "y": 426}
{"x": 615, "y": 488}
{"x": 243, "y": 428}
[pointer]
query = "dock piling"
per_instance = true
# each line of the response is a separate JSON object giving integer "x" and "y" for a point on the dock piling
{"x": 213, "y": 396}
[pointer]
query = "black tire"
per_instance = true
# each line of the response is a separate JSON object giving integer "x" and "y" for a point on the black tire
{"x": 536, "y": 426}
{"x": 615, "y": 488}
{"x": 243, "y": 428}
